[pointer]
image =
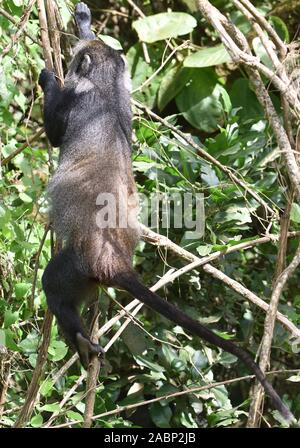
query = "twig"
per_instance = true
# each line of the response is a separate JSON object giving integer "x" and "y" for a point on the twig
{"x": 54, "y": 34}
{"x": 15, "y": 22}
{"x": 265, "y": 24}
{"x": 20, "y": 25}
{"x": 92, "y": 375}
{"x": 36, "y": 266}
{"x": 281, "y": 276}
{"x": 47, "y": 52}
{"x": 33, "y": 389}
{"x": 30, "y": 140}
{"x": 148, "y": 80}
{"x": 193, "y": 390}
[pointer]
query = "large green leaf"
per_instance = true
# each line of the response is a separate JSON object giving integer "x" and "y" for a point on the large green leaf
{"x": 172, "y": 83}
{"x": 207, "y": 57}
{"x": 140, "y": 71}
{"x": 164, "y": 26}
{"x": 243, "y": 97}
{"x": 201, "y": 100}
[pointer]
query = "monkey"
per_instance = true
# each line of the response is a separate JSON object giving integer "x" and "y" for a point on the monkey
{"x": 90, "y": 119}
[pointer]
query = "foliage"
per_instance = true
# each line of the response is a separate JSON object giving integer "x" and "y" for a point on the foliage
{"x": 204, "y": 94}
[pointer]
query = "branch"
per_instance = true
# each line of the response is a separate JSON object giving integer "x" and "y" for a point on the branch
{"x": 93, "y": 374}
{"x": 31, "y": 139}
{"x": 36, "y": 267}
{"x": 193, "y": 390}
{"x": 33, "y": 389}
{"x": 47, "y": 51}
{"x": 154, "y": 238}
{"x": 281, "y": 277}
{"x": 54, "y": 35}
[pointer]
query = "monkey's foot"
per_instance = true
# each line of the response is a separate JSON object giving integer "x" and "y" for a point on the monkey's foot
{"x": 87, "y": 350}
{"x": 83, "y": 19}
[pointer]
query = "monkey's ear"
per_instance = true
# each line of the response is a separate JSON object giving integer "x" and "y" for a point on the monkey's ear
{"x": 85, "y": 64}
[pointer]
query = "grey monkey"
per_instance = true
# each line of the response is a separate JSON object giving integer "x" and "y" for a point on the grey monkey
{"x": 90, "y": 119}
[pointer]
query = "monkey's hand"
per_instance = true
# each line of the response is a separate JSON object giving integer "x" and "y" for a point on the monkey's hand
{"x": 46, "y": 77}
{"x": 87, "y": 350}
{"x": 83, "y": 19}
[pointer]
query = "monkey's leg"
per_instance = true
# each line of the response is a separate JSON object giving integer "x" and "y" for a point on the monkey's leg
{"x": 66, "y": 287}
{"x": 83, "y": 19}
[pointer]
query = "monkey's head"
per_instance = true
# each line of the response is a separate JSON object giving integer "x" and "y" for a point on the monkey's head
{"x": 95, "y": 64}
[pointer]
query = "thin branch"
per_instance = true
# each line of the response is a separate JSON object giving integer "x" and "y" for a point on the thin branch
{"x": 281, "y": 47}
{"x": 54, "y": 34}
{"x": 193, "y": 390}
{"x": 30, "y": 140}
{"x": 93, "y": 374}
{"x": 33, "y": 389}
{"x": 163, "y": 241}
{"x": 36, "y": 266}
{"x": 47, "y": 51}
{"x": 281, "y": 277}
{"x": 229, "y": 35}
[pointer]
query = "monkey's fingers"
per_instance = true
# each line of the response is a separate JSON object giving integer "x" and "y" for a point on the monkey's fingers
{"x": 87, "y": 350}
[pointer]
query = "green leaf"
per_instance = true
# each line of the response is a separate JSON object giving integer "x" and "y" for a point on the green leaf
{"x": 57, "y": 350}
{"x": 142, "y": 361}
{"x": 8, "y": 338}
{"x": 295, "y": 213}
{"x": 111, "y": 41}
{"x": 21, "y": 289}
{"x": 171, "y": 84}
{"x": 161, "y": 415}
{"x": 54, "y": 407}
{"x": 200, "y": 101}
{"x": 10, "y": 317}
{"x": 243, "y": 97}
{"x": 46, "y": 387}
{"x": 260, "y": 51}
{"x": 280, "y": 28}
{"x": 36, "y": 421}
{"x": 30, "y": 343}
{"x": 204, "y": 250}
{"x": 164, "y": 26}
{"x": 294, "y": 378}
{"x": 25, "y": 198}
{"x": 207, "y": 57}
{"x": 74, "y": 416}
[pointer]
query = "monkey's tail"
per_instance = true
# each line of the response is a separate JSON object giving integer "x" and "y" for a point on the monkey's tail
{"x": 131, "y": 284}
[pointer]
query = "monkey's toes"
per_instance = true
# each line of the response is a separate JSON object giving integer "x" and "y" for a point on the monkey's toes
{"x": 83, "y": 14}
{"x": 87, "y": 350}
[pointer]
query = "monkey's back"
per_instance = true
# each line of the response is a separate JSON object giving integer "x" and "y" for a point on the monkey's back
{"x": 94, "y": 209}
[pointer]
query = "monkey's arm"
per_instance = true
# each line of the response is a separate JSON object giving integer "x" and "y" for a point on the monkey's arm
{"x": 83, "y": 19}
{"x": 53, "y": 95}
